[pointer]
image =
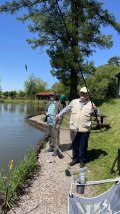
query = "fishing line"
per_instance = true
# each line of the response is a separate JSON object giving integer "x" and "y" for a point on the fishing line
{"x": 60, "y": 153}
{"x": 70, "y": 36}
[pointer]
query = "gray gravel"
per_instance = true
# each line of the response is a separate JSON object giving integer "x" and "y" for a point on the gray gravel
{"x": 49, "y": 191}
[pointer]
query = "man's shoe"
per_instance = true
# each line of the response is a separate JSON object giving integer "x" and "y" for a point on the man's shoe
{"x": 49, "y": 150}
{"x": 55, "y": 154}
{"x": 82, "y": 164}
{"x": 74, "y": 162}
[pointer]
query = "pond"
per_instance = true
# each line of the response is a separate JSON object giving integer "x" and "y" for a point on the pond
{"x": 16, "y": 136}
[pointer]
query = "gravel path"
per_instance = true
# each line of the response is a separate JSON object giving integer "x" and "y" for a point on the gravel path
{"x": 49, "y": 191}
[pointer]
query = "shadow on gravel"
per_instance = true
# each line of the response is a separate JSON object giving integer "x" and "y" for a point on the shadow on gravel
{"x": 65, "y": 147}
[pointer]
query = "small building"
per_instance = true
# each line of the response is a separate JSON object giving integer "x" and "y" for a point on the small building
{"x": 118, "y": 84}
{"x": 45, "y": 95}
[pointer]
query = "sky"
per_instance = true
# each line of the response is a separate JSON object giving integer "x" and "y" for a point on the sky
{"x": 15, "y": 52}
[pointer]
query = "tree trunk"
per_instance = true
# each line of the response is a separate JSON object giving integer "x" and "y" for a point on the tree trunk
{"x": 73, "y": 86}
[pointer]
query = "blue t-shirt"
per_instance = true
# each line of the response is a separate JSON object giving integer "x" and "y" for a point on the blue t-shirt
{"x": 51, "y": 119}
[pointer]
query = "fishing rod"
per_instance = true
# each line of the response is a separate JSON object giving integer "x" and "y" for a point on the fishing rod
{"x": 70, "y": 36}
{"x": 46, "y": 137}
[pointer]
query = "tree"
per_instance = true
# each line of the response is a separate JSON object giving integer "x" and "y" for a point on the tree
{"x": 12, "y": 94}
{"x": 103, "y": 83}
{"x": 41, "y": 85}
{"x": 69, "y": 30}
{"x": 34, "y": 85}
{"x": 60, "y": 88}
{"x": 21, "y": 94}
{"x": 6, "y": 94}
{"x": 114, "y": 60}
{"x": 0, "y": 91}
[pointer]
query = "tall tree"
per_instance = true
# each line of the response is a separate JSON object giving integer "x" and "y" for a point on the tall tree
{"x": 70, "y": 30}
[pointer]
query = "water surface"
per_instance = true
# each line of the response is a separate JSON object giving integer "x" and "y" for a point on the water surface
{"x": 16, "y": 136}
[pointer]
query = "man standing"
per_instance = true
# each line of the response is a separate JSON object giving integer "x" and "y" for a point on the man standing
{"x": 80, "y": 125}
{"x": 53, "y": 129}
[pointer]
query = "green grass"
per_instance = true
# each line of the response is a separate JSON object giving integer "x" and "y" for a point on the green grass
{"x": 103, "y": 146}
{"x": 65, "y": 121}
{"x": 14, "y": 183}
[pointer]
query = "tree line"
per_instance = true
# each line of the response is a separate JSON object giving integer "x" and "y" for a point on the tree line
{"x": 102, "y": 84}
{"x": 31, "y": 87}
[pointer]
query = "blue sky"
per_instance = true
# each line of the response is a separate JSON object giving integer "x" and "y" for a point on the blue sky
{"x": 15, "y": 52}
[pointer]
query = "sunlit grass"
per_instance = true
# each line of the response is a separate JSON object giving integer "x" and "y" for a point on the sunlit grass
{"x": 14, "y": 182}
{"x": 103, "y": 146}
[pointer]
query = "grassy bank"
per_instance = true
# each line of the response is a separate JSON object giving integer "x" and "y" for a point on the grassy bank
{"x": 14, "y": 183}
{"x": 103, "y": 145}
{"x": 41, "y": 102}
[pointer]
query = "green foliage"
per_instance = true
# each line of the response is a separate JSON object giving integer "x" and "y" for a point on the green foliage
{"x": 15, "y": 179}
{"x": 114, "y": 61}
{"x": 34, "y": 85}
{"x": 12, "y": 94}
{"x": 60, "y": 88}
{"x": 103, "y": 83}
{"x": 68, "y": 30}
{"x": 6, "y": 94}
{"x": 21, "y": 94}
{"x": 0, "y": 92}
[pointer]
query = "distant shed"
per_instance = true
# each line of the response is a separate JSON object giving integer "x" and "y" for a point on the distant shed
{"x": 44, "y": 95}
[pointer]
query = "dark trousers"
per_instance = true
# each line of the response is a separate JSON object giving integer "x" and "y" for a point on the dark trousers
{"x": 80, "y": 145}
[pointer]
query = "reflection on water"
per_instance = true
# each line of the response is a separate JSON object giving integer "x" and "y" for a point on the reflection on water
{"x": 28, "y": 109}
{"x": 16, "y": 136}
